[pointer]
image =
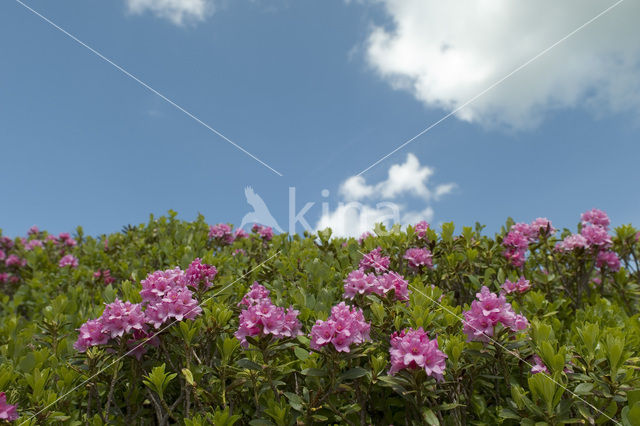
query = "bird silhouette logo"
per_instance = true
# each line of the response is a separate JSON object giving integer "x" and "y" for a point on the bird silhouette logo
{"x": 260, "y": 214}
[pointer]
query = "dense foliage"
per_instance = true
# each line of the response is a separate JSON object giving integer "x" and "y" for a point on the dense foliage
{"x": 175, "y": 322}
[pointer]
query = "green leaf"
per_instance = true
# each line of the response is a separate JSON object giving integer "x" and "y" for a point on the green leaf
{"x": 353, "y": 373}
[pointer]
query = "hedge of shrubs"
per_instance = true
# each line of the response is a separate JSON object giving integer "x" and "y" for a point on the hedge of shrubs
{"x": 175, "y": 322}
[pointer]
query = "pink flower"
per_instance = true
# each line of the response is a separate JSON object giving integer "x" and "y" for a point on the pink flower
{"x": 158, "y": 284}
{"x": 359, "y": 282}
{"x": 222, "y": 233}
{"x": 419, "y": 257}
{"x": 121, "y": 317}
{"x": 3, "y": 255}
{"x": 392, "y": 281}
{"x": 66, "y": 239}
{"x": 345, "y": 327}
{"x": 238, "y": 251}
{"x": 8, "y": 412}
{"x": 375, "y": 260}
{"x": 6, "y": 242}
{"x": 4, "y": 277}
{"x": 595, "y": 217}
{"x": 68, "y": 260}
{"x": 538, "y": 366}
{"x": 521, "y": 286}
{"x": 487, "y": 312}
{"x": 420, "y": 229}
{"x": 91, "y": 333}
{"x": 254, "y": 295}
{"x": 265, "y": 232}
{"x": 200, "y": 274}
{"x": 33, "y": 244}
{"x": 264, "y": 318}
{"x": 14, "y": 260}
{"x": 33, "y": 230}
{"x": 412, "y": 349}
{"x": 525, "y": 229}
{"x": 364, "y": 236}
{"x": 596, "y": 235}
{"x": 240, "y": 234}
{"x": 542, "y": 226}
{"x": 608, "y": 259}
{"x": 573, "y": 242}
{"x": 516, "y": 243}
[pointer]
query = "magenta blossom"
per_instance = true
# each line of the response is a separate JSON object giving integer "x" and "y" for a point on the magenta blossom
{"x": 542, "y": 226}
{"x": 359, "y": 282}
{"x": 596, "y": 236}
{"x": 3, "y": 255}
{"x": 392, "y": 281}
{"x": 240, "y": 234}
{"x": 33, "y": 244}
{"x": 420, "y": 229}
{"x": 158, "y": 284}
{"x": 412, "y": 349}
{"x": 255, "y": 294}
{"x": 572, "y": 242}
{"x": 364, "y": 236}
{"x": 121, "y": 317}
{"x": 68, "y": 260}
{"x": 345, "y": 327}
{"x": 8, "y": 412}
{"x": 91, "y": 333}
{"x": 4, "y": 277}
{"x": 221, "y": 233}
{"x": 487, "y": 312}
{"x": 263, "y": 318}
{"x": 14, "y": 260}
{"x": 595, "y": 217}
{"x": 200, "y": 274}
{"x": 419, "y": 257}
{"x": 375, "y": 260}
{"x": 608, "y": 259}
{"x": 520, "y": 286}
{"x": 538, "y": 365}
{"x": 265, "y": 232}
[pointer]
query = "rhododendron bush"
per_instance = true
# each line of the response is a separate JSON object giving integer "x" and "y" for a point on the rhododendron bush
{"x": 175, "y": 322}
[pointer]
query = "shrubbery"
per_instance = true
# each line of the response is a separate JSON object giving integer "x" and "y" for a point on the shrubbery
{"x": 177, "y": 322}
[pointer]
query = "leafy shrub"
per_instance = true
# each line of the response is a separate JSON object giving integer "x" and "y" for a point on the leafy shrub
{"x": 172, "y": 322}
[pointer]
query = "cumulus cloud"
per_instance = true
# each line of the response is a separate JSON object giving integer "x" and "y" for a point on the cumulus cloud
{"x": 363, "y": 205}
{"x": 445, "y": 53}
{"x": 408, "y": 178}
{"x": 178, "y": 12}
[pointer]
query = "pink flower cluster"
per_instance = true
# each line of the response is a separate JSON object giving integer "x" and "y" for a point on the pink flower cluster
{"x": 199, "y": 274}
{"x": 375, "y": 260}
{"x": 31, "y": 244}
{"x": 487, "y": 312}
{"x": 412, "y": 349}
{"x": 608, "y": 259}
{"x": 105, "y": 275}
{"x": 420, "y": 229}
{"x": 3, "y": 255}
{"x": 520, "y": 286}
{"x": 593, "y": 235}
{"x": 360, "y": 282}
{"x": 265, "y": 232}
{"x": 66, "y": 239}
{"x": 68, "y": 260}
{"x": 8, "y": 412}
{"x": 164, "y": 296}
{"x": 222, "y": 233}
{"x": 521, "y": 235}
{"x": 14, "y": 260}
{"x": 345, "y": 326}
{"x": 419, "y": 257}
{"x": 262, "y": 317}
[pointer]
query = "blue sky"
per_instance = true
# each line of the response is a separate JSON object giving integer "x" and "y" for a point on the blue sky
{"x": 319, "y": 91}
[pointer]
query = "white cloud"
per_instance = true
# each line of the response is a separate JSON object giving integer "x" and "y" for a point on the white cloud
{"x": 179, "y": 12}
{"x": 408, "y": 178}
{"x": 354, "y": 216}
{"x": 445, "y": 53}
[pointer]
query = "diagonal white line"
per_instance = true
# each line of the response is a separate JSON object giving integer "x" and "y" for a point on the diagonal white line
{"x": 515, "y": 354}
{"x": 145, "y": 340}
{"x": 492, "y": 86}
{"x": 146, "y": 86}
